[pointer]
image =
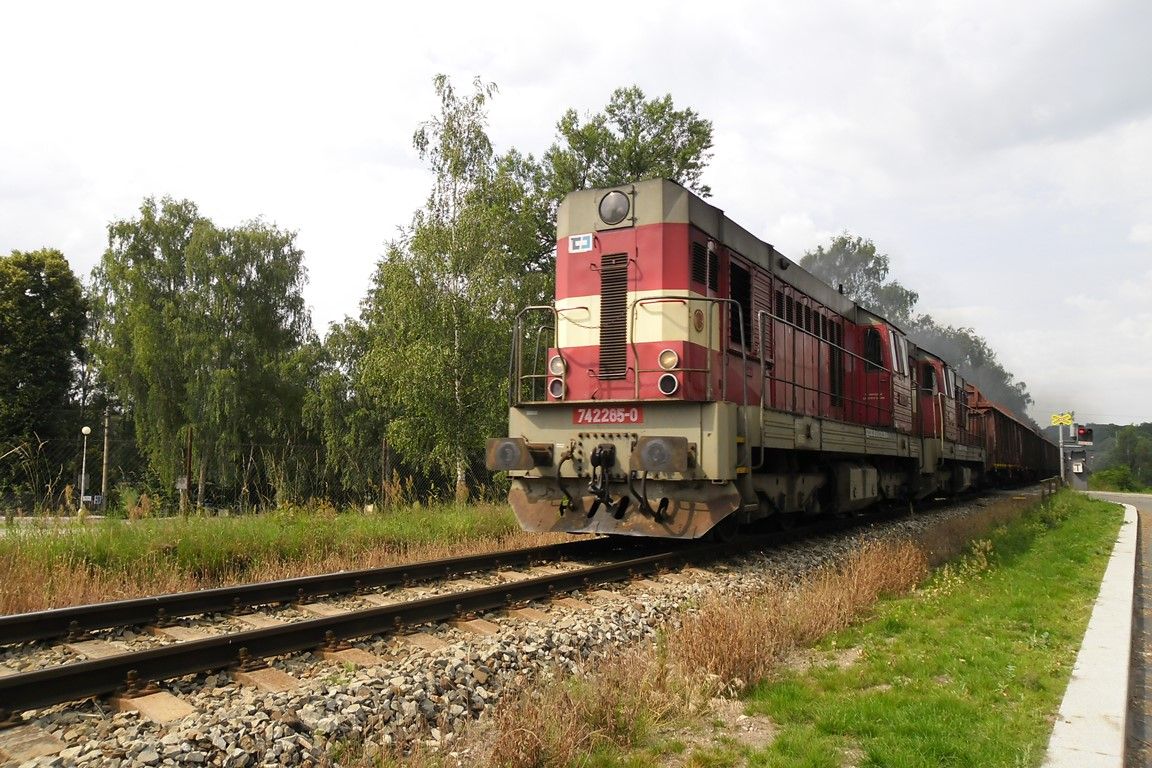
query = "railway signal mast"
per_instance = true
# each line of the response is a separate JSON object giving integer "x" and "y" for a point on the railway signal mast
{"x": 1061, "y": 420}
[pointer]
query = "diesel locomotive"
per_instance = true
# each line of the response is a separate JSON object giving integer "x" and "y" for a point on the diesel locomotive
{"x": 689, "y": 378}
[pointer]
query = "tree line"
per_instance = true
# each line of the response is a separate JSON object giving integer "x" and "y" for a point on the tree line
{"x": 1122, "y": 459}
{"x": 197, "y": 341}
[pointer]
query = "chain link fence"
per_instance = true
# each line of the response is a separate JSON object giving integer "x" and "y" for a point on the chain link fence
{"x": 112, "y": 477}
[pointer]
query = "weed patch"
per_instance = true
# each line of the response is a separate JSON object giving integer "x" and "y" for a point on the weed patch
{"x": 56, "y": 565}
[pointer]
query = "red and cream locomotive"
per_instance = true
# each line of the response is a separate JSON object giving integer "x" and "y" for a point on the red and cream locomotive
{"x": 689, "y": 376}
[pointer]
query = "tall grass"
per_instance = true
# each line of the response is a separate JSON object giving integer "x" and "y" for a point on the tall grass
{"x": 58, "y": 565}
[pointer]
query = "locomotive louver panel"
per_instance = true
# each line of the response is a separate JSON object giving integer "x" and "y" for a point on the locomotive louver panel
{"x": 614, "y": 316}
{"x": 700, "y": 263}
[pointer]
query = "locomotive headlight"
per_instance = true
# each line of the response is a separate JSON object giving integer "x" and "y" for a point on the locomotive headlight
{"x": 556, "y": 365}
{"x": 668, "y": 384}
{"x": 660, "y": 454}
{"x": 669, "y": 359}
{"x": 614, "y": 206}
{"x": 556, "y": 389}
{"x": 504, "y": 453}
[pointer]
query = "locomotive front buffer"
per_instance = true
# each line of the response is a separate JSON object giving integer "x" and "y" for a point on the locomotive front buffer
{"x": 619, "y": 480}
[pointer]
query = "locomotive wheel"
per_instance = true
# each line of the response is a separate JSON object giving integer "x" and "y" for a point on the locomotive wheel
{"x": 724, "y": 531}
{"x": 786, "y": 521}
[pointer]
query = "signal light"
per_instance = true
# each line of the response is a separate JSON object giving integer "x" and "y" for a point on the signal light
{"x": 1084, "y": 435}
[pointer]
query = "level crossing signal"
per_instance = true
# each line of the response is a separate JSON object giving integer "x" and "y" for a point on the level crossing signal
{"x": 1084, "y": 435}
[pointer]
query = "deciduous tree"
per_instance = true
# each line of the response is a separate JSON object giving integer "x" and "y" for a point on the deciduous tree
{"x": 42, "y": 321}
{"x": 203, "y": 331}
{"x": 439, "y": 311}
{"x": 634, "y": 138}
{"x": 854, "y": 263}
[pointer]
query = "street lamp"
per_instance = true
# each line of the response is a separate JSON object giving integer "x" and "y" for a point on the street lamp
{"x": 84, "y": 465}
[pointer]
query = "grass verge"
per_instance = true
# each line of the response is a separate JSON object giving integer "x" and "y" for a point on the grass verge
{"x": 70, "y": 564}
{"x": 968, "y": 670}
{"x": 965, "y": 667}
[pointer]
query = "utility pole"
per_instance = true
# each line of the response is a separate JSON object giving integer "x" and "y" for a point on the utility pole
{"x": 1059, "y": 420}
{"x": 1060, "y": 431}
{"x": 104, "y": 466}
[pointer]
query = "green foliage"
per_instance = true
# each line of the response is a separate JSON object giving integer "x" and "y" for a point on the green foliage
{"x": 854, "y": 263}
{"x": 42, "y": 321}
{"x": 1118, "y": 478}
{"x": 634, "y": 138}
{"x": 203, "y": 331}
{"x": 1130, "y": 459}
{"x": 437, "y": 297}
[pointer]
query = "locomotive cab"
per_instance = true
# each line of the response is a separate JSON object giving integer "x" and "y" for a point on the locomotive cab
{"x": 937, "y": 399}
{"x": 884, "y": 385}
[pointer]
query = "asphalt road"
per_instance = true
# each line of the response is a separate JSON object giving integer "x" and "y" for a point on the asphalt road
{"x": 1138, "y": 737}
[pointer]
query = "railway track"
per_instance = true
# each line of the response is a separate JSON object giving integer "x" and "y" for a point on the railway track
{"x": 131, "y": 671}
{"x": 162, "y": 609}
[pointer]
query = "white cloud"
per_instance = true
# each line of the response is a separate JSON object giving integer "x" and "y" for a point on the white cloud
{"x": 1141, "y": 234}
{"x": 1000, "y": 154}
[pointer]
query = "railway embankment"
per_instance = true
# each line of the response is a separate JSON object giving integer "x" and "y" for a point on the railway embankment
{"x": 431, "y": 693}
{"x": 968, "y": 668}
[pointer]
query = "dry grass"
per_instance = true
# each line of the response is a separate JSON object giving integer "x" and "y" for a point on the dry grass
{"x": 951, "y": 537}
{"x": 557, "y": 722}
{"x": 740, "y": 647}
{"x": 34, "y": 584}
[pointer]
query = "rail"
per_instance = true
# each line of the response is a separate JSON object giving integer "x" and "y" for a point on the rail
{"x": 61, "y": 622}
{"x": 71, "y": 682}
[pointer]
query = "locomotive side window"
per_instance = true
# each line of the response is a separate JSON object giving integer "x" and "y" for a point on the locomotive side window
{"x": 614, "y": 316}
{"x": 902, "y": 354}
{"x": 899, "y": 354}
{"x": 928, "y": 381}
{"x": 873, "y": 349}
{"x": 740, "y": 291}
{"x": 702, "y": 264}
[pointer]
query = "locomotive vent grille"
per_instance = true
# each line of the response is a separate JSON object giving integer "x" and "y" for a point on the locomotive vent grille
{"x": 700, "y": 265}
{"x": 614, "y": 316}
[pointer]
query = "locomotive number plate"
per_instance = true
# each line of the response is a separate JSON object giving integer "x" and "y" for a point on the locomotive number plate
{"x": 631, "y": 414}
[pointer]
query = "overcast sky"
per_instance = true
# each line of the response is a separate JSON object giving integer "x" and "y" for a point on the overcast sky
{"x": 999, "y": 152}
